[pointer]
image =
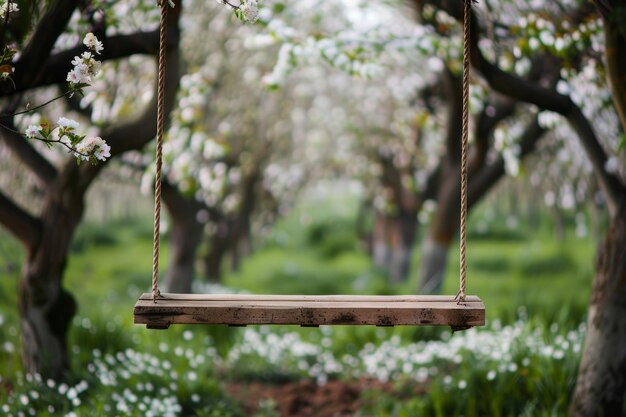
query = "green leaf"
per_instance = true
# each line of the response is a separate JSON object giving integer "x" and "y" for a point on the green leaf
{"x": 278, "y": 8}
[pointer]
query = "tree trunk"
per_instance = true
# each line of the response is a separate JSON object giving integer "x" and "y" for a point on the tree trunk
{"x": 218, "y": 247}
{"x": 46, "y": 309}
{"x": 443, "y": 228}
{"x": 185, "y": 238}
{"x": 601, "y": 384}
{"x": 404, "y": 229}
{"x": 380, "y": 246}
{"x": 433, "y": 265}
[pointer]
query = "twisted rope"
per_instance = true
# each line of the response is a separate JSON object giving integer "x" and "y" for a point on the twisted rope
{"x": 156, "y": 293}
{"x": 460, "y": 296}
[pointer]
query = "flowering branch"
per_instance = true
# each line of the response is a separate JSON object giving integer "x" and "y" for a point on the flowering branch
{"x": 92, "y": 149}
{"x": 247, "y": 10}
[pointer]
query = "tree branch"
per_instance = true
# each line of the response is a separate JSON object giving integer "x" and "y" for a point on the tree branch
{"x": 493, "y": 113}
{"x": 544, "y": 98}
{"x": 19, "y": 222}
{"x": 138, "y": 131}
{"x": 39, "y": 165}
{"x": 53, "y": 22}
{"x": 120, "y": 46}
{"x": 488, "y": 176}
{"x": 453, "y": 92}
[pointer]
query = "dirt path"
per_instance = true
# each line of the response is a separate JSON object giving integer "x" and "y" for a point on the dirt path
{"x": 306, "y": 398}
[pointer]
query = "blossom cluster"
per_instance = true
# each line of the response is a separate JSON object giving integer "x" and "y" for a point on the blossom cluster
{"x": 8, "y": 7}
{"x": 84, "y": 148}
{"x": 247, "y": 11}
{"x": 86, "y": 67}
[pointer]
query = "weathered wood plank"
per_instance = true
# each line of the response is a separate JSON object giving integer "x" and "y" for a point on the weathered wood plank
{"x": 281, "y": 297}
{"x": 239, "y": 309}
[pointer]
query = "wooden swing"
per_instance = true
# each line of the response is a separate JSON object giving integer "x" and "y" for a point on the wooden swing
{"x": 159, "y": 310}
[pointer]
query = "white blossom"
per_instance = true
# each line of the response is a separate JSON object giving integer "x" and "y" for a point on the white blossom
{"x": 92, "y": 42}
{"x": 32, "y": 131}
{"x": 86, "y": 66}
{"x": 12, "y": 7}
{"x": 249, "y": 10}
{"x": 95, "y": 146}
{"x": 67, "y": 124}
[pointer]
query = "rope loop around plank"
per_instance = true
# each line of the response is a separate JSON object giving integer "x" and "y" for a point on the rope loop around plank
{"x": 467, "y": 10}
{"x": 164, "y": 5}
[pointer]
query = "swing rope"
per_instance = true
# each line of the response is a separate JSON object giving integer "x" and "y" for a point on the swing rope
{"x": 156, "y": 293}
{"x": 460, "y": 296}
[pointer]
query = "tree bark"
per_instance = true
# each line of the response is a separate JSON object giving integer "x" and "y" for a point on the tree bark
{"x": 185, "y": 237}
{"x": 218, "y": 247}
{"x": 380, "y": 247}
{"x": 433, "y": 265}
{"x": 601, "y": 384}
{"x": 46, "y": 308}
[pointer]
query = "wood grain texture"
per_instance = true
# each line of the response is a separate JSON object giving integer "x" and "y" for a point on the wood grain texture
{"x": 308, "y": 310}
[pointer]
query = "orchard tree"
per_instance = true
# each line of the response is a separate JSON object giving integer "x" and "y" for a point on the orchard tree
{"x": 600, "y": 386}
{"x": 228, "y": 134}
{"x": 48, "y": 37}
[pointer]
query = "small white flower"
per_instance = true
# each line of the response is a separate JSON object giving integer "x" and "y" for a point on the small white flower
{"x": 95, "y": 146}
{"x": 32, "y": 131}
{"x": 102, "y": 149}
{"x": 249, "y": 10}
{"x": 93, "y": 43}
{"x": 76, "y": 76}
{"x": 82, "y": 151}
{"x": 67, "y": 124}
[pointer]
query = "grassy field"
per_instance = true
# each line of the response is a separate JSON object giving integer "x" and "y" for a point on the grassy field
{"x": 535, "y": 289}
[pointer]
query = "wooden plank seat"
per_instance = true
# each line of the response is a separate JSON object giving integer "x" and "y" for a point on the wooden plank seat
{"x": 309, "y": 310}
